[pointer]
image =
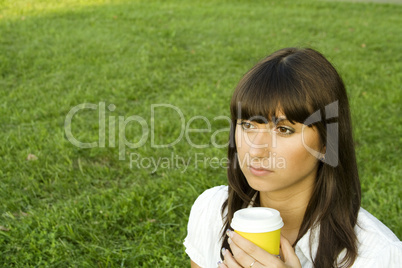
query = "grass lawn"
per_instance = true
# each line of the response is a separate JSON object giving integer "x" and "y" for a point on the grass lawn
{"x": 108, "y": 206}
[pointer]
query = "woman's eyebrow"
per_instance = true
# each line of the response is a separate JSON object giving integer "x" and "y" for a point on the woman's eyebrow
{"x": 283, "y": 120}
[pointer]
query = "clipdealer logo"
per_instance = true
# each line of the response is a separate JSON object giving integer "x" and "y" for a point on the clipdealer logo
{"x": 145, "y": 130}
{"x": 121, "y": 122}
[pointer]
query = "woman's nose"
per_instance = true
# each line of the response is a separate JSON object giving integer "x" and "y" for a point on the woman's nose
{"x": 260, "y": 143}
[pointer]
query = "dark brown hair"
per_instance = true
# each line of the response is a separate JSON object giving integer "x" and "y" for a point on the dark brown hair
{"x": 299, "y": 82}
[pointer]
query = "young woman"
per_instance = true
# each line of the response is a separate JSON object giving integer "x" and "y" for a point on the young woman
{"x": 291, "y": 149}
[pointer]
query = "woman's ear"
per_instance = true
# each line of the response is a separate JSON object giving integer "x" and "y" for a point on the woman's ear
{"x": 322, "y": 154}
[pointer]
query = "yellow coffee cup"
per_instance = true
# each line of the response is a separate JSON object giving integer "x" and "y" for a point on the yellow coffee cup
{"x": 260, "y": 225}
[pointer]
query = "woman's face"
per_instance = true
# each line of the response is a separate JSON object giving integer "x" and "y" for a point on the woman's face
{"x": 273, "y": 156}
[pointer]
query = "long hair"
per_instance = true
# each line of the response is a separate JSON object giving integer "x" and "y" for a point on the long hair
{"x": 298, "y": 82}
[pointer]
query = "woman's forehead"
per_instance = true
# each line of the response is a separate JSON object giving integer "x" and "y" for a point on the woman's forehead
{"x": 275, "y": 116}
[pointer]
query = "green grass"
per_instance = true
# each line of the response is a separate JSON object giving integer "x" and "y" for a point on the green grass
{"x": 77, "y": 207}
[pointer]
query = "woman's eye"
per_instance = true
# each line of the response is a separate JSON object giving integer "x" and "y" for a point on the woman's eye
{"x": 246, "y": 125}
{"x": 284, "y": 130}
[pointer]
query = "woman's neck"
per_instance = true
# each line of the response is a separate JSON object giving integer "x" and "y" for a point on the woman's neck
{"x": 292, "y": 207}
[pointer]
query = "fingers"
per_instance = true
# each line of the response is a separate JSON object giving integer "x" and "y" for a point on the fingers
{"x": 241, "y": 257}
{"x": 222, "y": 265}
{"x": 289, "y": 255}
{"x": 246, "y": 252}
{"x": 229, "y": 261}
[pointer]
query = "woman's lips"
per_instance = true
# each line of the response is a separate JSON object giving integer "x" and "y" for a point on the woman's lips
{"x": 258, "y": 171}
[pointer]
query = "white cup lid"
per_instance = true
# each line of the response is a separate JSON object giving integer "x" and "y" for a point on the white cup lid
{"x": 256, "y": 220}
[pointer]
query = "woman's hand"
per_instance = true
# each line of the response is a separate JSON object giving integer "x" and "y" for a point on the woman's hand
{"x": 246, "y": 254}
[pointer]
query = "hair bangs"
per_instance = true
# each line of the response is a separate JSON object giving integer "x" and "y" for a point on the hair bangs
{"x": 269, "y": 91}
